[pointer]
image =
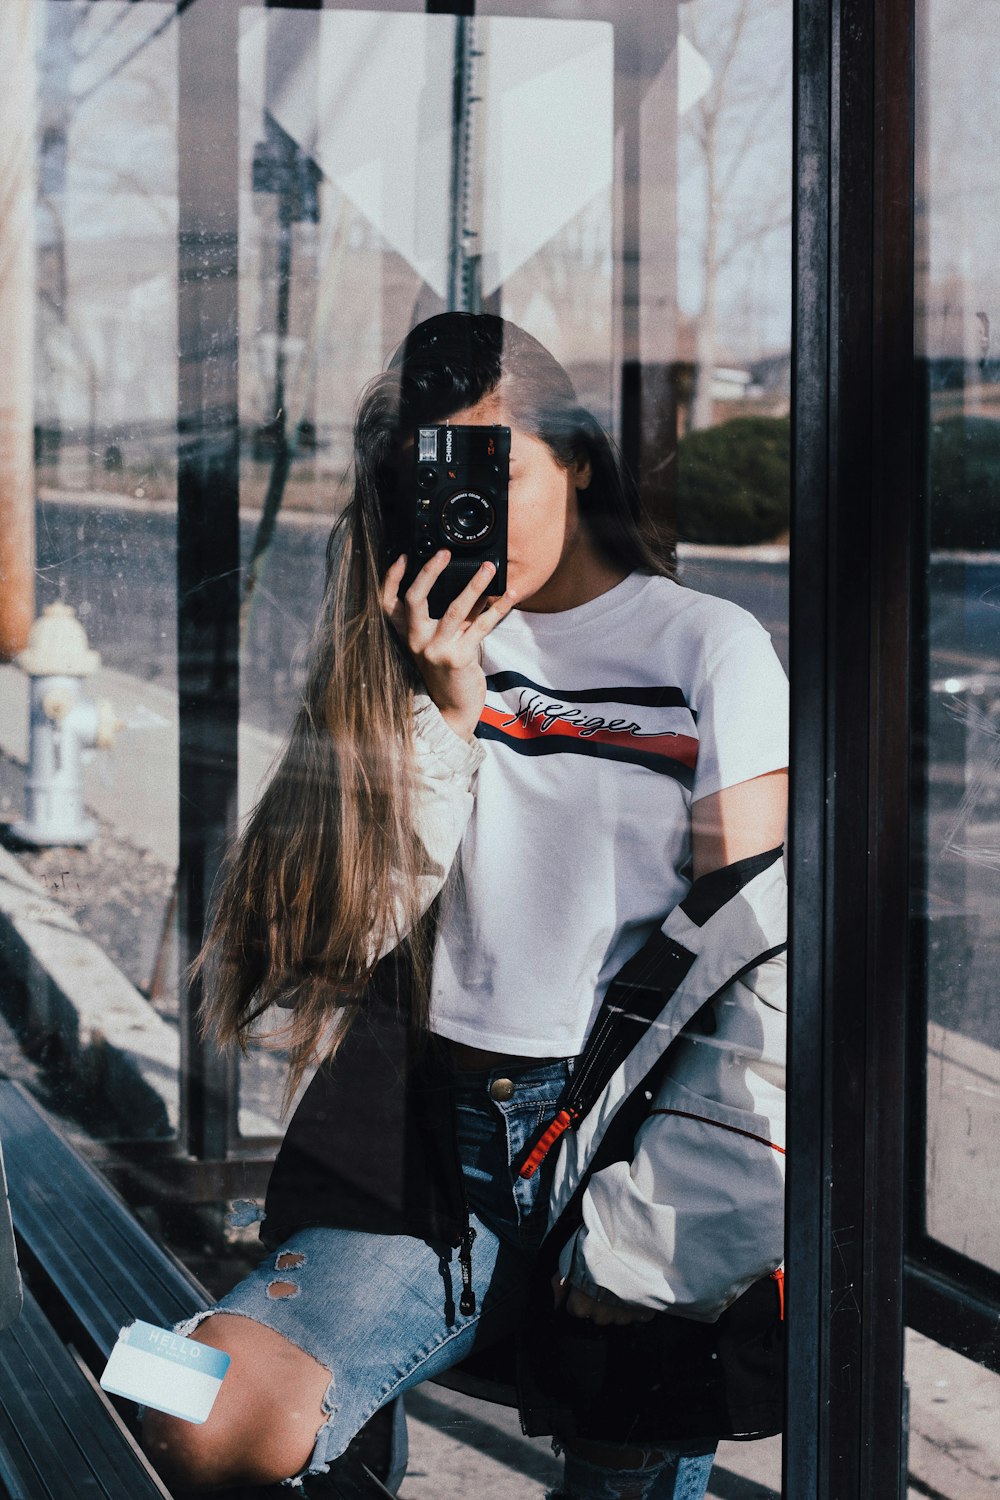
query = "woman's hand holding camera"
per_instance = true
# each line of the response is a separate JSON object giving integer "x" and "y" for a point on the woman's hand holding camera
{"x": 446, "y": 651}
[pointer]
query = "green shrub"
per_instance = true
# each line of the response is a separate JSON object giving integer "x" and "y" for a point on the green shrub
{"x": 733, "y": 482}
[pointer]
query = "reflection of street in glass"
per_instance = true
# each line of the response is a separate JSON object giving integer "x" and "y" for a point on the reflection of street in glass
{"x": 963, "y": 1140}
{"x": 522, "y": 186}
{"x": 961, "y": 847}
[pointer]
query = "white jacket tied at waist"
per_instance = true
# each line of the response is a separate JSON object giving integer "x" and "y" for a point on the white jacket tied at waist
{"x": 697, "y": 1216}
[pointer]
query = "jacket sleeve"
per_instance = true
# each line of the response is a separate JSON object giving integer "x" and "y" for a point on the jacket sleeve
{"x": 445, "y": 770}
{"x": 697, "y": 1215}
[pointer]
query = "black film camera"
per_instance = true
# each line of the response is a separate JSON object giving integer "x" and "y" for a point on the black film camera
{"x": 454, "y": 494}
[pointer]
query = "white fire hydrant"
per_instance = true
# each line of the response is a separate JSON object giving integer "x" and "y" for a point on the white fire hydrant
{"x": 66, "y": 728}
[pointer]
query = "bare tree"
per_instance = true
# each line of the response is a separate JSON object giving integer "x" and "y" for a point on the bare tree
{"x": 737, "y": 142}
{"x": 80, "y": 345}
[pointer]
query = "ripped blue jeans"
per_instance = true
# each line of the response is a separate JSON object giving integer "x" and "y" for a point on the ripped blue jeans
{"x": 383, "y": 1312}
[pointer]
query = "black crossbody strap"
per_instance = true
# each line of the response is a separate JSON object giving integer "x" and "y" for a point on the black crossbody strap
{"x": 636, "y": 996}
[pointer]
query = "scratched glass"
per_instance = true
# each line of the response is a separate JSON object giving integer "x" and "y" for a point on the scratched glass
{"x": 955, "y": 1210}
{"x": 99, "y": 96}
{"x": 958, "y": 343}
{"x": 231, "y": 213}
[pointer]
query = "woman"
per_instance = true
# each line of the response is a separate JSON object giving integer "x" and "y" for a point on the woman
{"x": 479, "y": 821}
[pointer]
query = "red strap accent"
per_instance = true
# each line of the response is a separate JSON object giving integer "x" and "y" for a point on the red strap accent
{"x": 560, "y": 1124}
{"x": 779, "y": 1277}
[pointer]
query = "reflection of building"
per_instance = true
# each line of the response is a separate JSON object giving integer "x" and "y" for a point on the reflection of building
{"x": 740, "y": 387}
{"x": 958, "y": 336}
{"x": 106, "y": 346}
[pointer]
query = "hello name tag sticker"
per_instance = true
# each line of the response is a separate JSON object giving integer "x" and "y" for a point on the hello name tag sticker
{"x": 165, "y": 1370}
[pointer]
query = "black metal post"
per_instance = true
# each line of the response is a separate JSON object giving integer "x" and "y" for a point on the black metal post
{"x": 208, "y": 542}
{"x": 895, "y": 532}
{"x": 853, "y": 443}
{"x": 805, "y": 1438}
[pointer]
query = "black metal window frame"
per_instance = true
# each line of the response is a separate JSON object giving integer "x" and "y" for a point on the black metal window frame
{"x": 861, "y": 1265}
{"x": 850, "y": 590}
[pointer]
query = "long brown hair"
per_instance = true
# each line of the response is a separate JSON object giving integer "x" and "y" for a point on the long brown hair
{"x": 323, "y": 879}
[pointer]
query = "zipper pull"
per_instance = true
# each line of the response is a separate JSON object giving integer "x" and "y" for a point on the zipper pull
{"x": 467, "y": 1301}
{"x": 562, "y": 1122}
{"x": 778, "y": 1277}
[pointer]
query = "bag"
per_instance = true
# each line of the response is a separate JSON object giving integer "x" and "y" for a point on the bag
{"x": 668, "y": 1381}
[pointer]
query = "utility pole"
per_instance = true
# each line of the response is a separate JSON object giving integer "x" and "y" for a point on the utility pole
{"x": 17, "y": 308}
{"x": 466, "y": 217}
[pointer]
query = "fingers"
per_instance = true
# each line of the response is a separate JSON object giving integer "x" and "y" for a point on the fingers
{"x": 458, "y": 610}
{"x": 454, "y": 639}
{"x": 390, "y": 584}
{"x": 494, "y": 612}
{"x": 421, "y": 585}
{"x": 427, "y": 577}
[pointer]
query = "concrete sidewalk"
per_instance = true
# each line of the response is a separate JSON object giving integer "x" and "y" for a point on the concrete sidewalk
{"x": 460, "y": 1448}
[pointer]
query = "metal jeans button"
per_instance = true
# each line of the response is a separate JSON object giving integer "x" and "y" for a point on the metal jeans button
{"x": 502, "y": 1089}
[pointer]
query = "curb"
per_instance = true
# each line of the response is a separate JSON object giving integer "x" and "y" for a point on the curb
{"x": 114, "y": 1045}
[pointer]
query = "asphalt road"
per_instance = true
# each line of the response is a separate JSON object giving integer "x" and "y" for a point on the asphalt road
{"x": 117, "y": 567}
{"x": 116, "y": 564}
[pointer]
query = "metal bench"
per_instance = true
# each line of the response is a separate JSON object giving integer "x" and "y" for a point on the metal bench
{"x": 11, "y": 1292}
{"x": 93, "y": 1268}
{"x": 58, "y": 1435}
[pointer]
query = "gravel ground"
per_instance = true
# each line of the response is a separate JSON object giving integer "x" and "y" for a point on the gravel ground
{"x": 118, "y": 894}
{"x": 122, "y": 897}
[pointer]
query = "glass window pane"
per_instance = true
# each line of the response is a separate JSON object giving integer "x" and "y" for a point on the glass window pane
{"x": 953, "y": 1447}
{"x": 733, "y": 339}
{"x": 99, "y": 86}
{"x": 238, "y": 212}
{"x": 957, "y": 336}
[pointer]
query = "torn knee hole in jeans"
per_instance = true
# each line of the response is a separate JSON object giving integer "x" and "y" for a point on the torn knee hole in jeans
{"x": 276, "y": 1290}
{"x": 288, "y": 1260}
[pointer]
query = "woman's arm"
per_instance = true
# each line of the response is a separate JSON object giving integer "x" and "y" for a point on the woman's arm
{"x": 445, "y": 768}
{"x": 739, "y": 821}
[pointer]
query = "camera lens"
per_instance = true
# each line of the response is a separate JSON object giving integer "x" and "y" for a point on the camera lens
{"x": 467, "y": 518}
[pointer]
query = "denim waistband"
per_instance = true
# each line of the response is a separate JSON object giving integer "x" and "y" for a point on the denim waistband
{"x": 527, "y": 1075}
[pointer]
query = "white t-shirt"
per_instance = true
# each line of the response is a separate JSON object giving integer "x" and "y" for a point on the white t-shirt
{"x": 602, "y": 725}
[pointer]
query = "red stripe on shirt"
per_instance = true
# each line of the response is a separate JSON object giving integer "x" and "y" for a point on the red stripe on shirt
{"x": 678, "y": 747}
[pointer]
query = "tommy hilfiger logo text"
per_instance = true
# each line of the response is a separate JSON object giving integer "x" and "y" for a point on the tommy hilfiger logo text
{"x": 552, "y": 721}
{"x": 533, "y": 707}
